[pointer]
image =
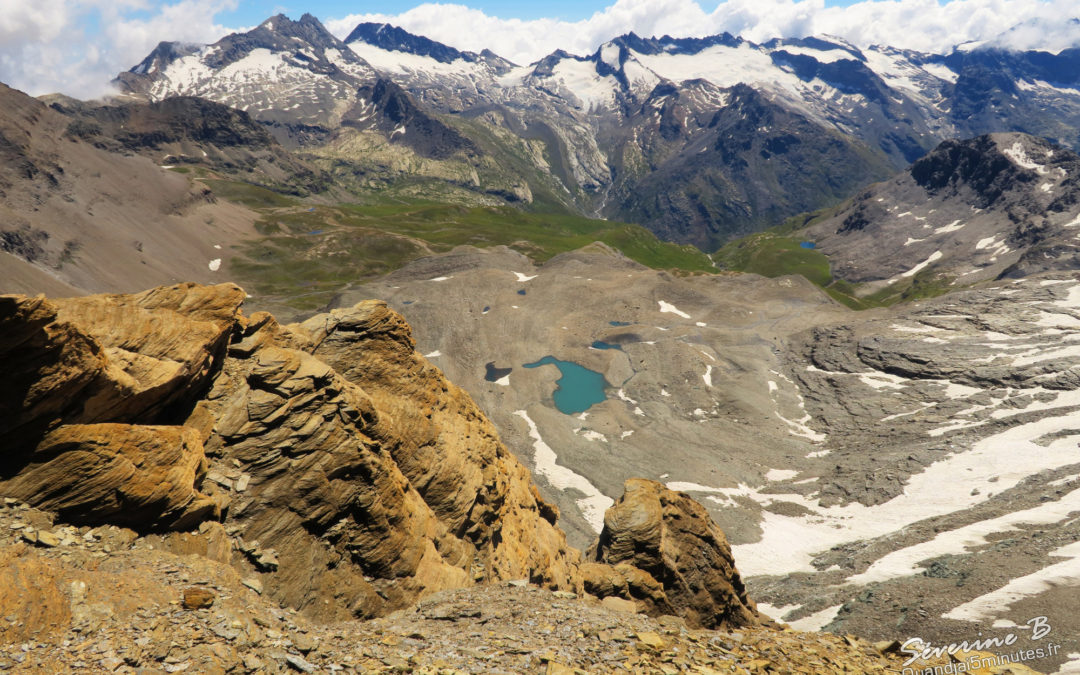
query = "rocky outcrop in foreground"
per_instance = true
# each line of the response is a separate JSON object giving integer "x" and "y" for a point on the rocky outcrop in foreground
{"x": 103, "y": 599}
{"x": 186, "y": 488}
{"x": 355, "y": 493}
{"x": 657, "y": 534}
{"x": 342, "y": 471}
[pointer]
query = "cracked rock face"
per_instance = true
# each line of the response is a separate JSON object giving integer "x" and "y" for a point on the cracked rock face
{"x": 441, "y": 442}
{"x": 110, "y": 358}
{"x": 82, "y": 371}
{"x": 349, "y": 475}
{"x": 126, "y": 474}
{"x": 360, "y": 490}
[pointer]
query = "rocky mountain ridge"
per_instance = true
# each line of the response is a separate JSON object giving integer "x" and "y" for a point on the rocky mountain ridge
{"x": 612, "y": 132}
{"x": 392, "y": 38}
{"x": 189, "y": 132}
{"x": 996, "y": 206}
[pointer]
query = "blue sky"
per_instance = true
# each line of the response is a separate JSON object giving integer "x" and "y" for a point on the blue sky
{"x": 253, "y": 11}
{"x": 78, "y": 46}
{"x": 250, "y": 12}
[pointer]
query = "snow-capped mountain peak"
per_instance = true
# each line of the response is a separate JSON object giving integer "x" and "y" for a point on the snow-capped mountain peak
{"x": 164, "y": 54}
{"x": 394, "y": 39}
{"x": 619, "y": 130}
{"x": 282, "y": 70}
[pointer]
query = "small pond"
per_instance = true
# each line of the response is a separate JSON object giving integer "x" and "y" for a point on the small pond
{"x": 578, "y": 389}
{"x": 494, "y": 373}
{"x": 600, "y": 344}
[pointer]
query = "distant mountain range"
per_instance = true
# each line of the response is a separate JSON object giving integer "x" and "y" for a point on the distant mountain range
{"x": 699, "y": 139}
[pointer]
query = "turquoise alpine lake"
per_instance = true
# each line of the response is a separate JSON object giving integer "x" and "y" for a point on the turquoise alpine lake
{"x": 578, "y": 389}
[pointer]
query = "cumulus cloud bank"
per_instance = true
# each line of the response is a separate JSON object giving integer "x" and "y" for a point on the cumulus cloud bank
{"x": 78, "y": 46}
{"x": 923, "y": 25}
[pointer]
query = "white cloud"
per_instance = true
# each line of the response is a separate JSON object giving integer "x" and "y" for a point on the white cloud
{"x": 1048, "y": 35}
{"x": 924, "y": 25}
{"x": 78, "y": 47}
{"x": 526, "y": 41}
{"x": 30, "y": 21}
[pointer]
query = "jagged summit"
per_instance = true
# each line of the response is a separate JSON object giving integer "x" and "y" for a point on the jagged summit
{"x": 281, "y": 23}
{"x": 306, "y": 39}
{"x": 280, "y": 71}
{"x": 276, "y": 33}
{"x": 308, "y": 29}
{"x": 392, "y": 38}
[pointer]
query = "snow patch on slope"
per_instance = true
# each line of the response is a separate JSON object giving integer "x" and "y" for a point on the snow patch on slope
{"x": 1019, "y": 157}
{"x": 993, "y": 465}
{"x": 670, "y": 308}
{"x": 936, "y": 255}
{"x": 905, "y": 562}
{"x": 593, "y": 504}
{"x": 1066, "y": 573}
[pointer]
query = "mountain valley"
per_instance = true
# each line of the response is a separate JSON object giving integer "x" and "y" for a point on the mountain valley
{"x": 784, "y": 413}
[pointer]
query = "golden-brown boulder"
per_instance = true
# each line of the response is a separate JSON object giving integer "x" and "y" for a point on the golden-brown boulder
{"x": 671, "y": 537}
{"x": 109, "y": 358}
{"x": 629, "y": 583}
{"x": 161, "y": 346}
{"x": 47, "y": 366}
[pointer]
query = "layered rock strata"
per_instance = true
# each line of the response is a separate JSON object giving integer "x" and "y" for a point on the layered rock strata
{"x": 653, "y": 533}
{"x": 327, "y": 460}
